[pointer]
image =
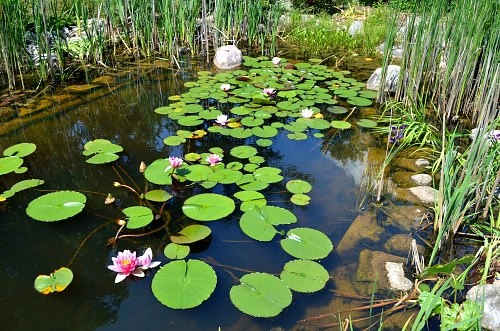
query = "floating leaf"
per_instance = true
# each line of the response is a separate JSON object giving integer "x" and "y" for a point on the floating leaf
{"x": 10, "y": 164}
{"x": 208, "y": 207}
{"x": 56, "y": 206}
{"x": 264, "y": 142}
{"x": 174, "y": 140}
{"x": 340, "y": 125}
{"x": 55, "y": 282}
{"x": 298, "y": 186}
{"x": 225, "y": 176}
{"x": 156, "y": 172}
{"x": 258, "y": 223}
{"x": 304, "y": 276}
{"x": 22, "y": 185}
{"x": 337, "y": 109}
{"x": 266, "y": 131}
{"x": 198, "y": 172}
{"x": 181, "y": 285}
{"x": 175, "y": 251}
{"x": 360, "y": 102}
{"x": 104, "y": 151}
{"x": 297, "y": 136}
{"x": 20, "y": 150}
{"x": 250, "y": 199}
{"x": 268, "y": 175}
{"x": 306, "y": 243}
{"x": 158, "y": 195}
{"x": 300, "y": 199}
{"x": 261, "y": 295}
{"x": 138, "y": 216}
{"x": 366, "y": 123}
{"x": 243, "y": 152}
{"x": 191, "y": 234}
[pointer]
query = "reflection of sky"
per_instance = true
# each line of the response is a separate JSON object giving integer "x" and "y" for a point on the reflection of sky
{"x": 355, "y": 168}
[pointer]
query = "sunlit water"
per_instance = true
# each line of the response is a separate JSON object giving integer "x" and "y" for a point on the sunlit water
{"x": 333, "y": 165}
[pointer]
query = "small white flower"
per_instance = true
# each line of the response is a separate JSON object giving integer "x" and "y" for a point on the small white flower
{"x": 307, "y": 113}
{"x": 276, "y": 60}
{"x": 225, "y": 87}
{"x": 222, "y": 119}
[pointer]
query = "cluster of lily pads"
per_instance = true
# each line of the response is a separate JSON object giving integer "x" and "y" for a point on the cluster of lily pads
{"x": 252, "y": 105}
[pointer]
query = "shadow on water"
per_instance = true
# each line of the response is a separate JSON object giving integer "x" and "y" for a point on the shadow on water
{"x": 126, "y": 116}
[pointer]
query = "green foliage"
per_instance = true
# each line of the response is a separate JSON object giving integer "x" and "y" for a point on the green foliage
{"x": 304, "y": 276}
{"x": 55, "y": 282}
{"x": 56, "y": 206}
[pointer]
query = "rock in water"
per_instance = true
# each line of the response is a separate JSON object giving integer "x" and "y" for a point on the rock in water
{"x": 228, "y": 57}
{"x": 391, "y": 79}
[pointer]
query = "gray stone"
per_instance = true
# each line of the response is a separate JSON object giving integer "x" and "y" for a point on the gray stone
{"x": 363, "y": 228}
{"x": 397, "y": 51}
{"x": 396, "y": 276}
{"x": 415, "y": 165}
{"x": 228, "y": 57}
{"x": 490, "y": 295}
{"x": 426, "y": 194}
{"x": 422, "y": 179}
{"x": 404, "y": 217}
{"x": 399, "y": 244}
{"x": 391, "y": 79}
{"x": 355, "y": 28}
{"x": 422, "y": 163}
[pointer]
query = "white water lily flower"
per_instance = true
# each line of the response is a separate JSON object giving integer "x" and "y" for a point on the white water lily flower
{"x": 222, "y": 119}
{"x": 307, "y": 113}
{"x": 225, "y": 87}
{"x": 276, "y": 60}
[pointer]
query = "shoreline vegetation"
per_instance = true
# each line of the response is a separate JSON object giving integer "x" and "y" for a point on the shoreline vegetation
{"x": 446, "y": 98}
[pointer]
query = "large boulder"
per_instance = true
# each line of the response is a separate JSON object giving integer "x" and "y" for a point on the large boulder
{"x": 363, "y": 229}
{"x": 391, "y": 79}
{"x": 228, "y": 57}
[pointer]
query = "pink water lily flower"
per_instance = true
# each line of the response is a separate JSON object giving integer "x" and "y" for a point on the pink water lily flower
{"x": 276, "y": 60}
{"x": 222, "y": 120}
{"x": 125, "y": 264}
{"x": 213, "y": 159}
{"x": 307, "y": 113}
{"x": 269, "y": 91}
{"x": 225, "y": 87}
{"x": 146, "y": 260}
{"x": 175, "y": 162}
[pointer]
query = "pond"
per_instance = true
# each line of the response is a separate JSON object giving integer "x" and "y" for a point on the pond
{"x": 335, "y": 164}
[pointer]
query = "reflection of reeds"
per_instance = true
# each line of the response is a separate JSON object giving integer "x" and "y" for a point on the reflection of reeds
{"x": 138, "y": 28}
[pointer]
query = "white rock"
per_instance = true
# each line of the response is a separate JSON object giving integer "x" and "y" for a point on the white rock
{"x": 397, "y": 51}
{"x": 391, "y": 79}
{"x": 490, "y": 294}
{"x": 422, "y": 162}
{"x": 228, "y": 57}
{"x": 426, "y": 194}
{"x": 396, "y": 276}
{"x": 422, "y": 179}
{"x": 355, "y": 28}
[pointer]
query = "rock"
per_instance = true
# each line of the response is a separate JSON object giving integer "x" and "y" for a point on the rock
{"x": 490, "y": 295}
{"x": 391, "y": 79}
{"x": 397, "y": 51}
{"x": 426, "y": 194}
{"x": 404, "y": 217}
{"x": 228, "y": 57}
{"x": 104, "y": 80}
{"x": 6, "y": 114}
{"x": 422, "y": 163}
{"x": 364, "y": 228}
{"x": 399, "y": 244}
{"x": 415, "y": 165}
{"x": 355, "y": 28}
{"x": 422, "y": 179}
{"x": 403, "y": 178}
{"x": 384, "y": 269}
{"x": 79, "y": 89}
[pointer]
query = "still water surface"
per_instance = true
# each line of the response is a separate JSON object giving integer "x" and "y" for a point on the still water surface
{"x": 334, "y": 166}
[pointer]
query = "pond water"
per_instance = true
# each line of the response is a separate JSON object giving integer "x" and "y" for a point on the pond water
{"x": 334, "y": 165}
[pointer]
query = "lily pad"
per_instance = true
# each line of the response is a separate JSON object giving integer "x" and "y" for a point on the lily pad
{"x": 250, "y": 199}
{"x": 158, "y": 195}
{"x": 264, "y": 142}
{"x": 366, "y": 123}
{"x": 138, "y": 216}
{"x": 298, "y": 186}
{"x": 300, "y": 199}
{"x": 175, "y": 251}
{"x": 261, "y": 295}
{"x": 208, "y": 207}
{"x": 156, "y": 172}
{"x": 191, "y": 233}
{"x": 359, "y": 101}
{"x": 56, "y": 206}
{"x": 268, "y": 175}
{"x": 258, "y": 223}
{"x": 198, "y": 172}
{"x": 20, "y": 150}
{"x": 55, "y": 282}
{"x": 225, "y": 176}
{"x": 181, "y": 285}
{"x": 174, "y": 140}
{"x": 243, "y": 152}
{"x": 20, "y": 186}
{"x": 11, "y": 164}
{"x": 103, "y": 151}
{"x": 340, "y": 125}
{"x": 304, "y": 276}
{"x": 306, "y": 243}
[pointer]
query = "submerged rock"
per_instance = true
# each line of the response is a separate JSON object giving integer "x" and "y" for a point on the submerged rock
{"x": 364, "y": 228}
{"x": 384, "y": 269}
{"x": 228, "y": 57}
{"x": 391, "y": 79}
{"x": 415, "y": 165}
{"x": 404, "y": 217}
{"x": 399, "y": 244}
{"x": 422, "y": 179}
{"x": 426, "y": 194}
{"x": 489, "y": 294}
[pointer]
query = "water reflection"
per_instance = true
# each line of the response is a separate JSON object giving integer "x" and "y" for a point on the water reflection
{"x": 126, "y": 117}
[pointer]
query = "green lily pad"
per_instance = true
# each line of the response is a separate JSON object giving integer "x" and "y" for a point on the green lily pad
{"x": 264, "y": 142}
{"x": 300, "y": 199}
{"x": 261, "y": 295}
{"x": 266, "y": 131}
{"x": 250, "y": 199}
{"x": 175, "y": 251}
{"x": 157, "y": 172}
{"x": 297, "y": 136}
{"x": 56, "y": 206}
{"x": 138, "y": 216}
{"x": 192, "y": 120}
{"x": 104, "y": 151}
{"x": 318, "y": 135}
{"x": 225, "y": 176}
{"x": 340, "y": 125}
{"x": 243, "y": 152}
{"x": 181, "y": 285}
{"x": 20, "y": 186}
{"x": 304, "y": 276}
{"x": 11, "y": 164}
{"x": 158, "y": 195}
{"x": 198, "y": 172}
{"x": 337, "y": 109}
{"x": 307, "y": 244}
{"x": 366, "y": 123}
{"x": 20, "y": 150}
{"x": 268, "y": 175}
{"x": 257, "y": 159}
{"x": 208, "y": 207}
{"x": 174, "y": 140}
{"x": 368, "y": 94}
{"x": 298, "y": 186}
{"x": 192, "y": 157}
{"x": 191, "y": 233}
{"x": 55, "y": 282}
{"x": 258, "y": 223}
{"x": 359, "y": 101}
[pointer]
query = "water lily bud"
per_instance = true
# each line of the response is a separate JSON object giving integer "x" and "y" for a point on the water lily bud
{"x": 116, "y": 184}
{"x": 120, "y": 222}
{"x": 109, "y": 199}
{"x": 142, "y": 167}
